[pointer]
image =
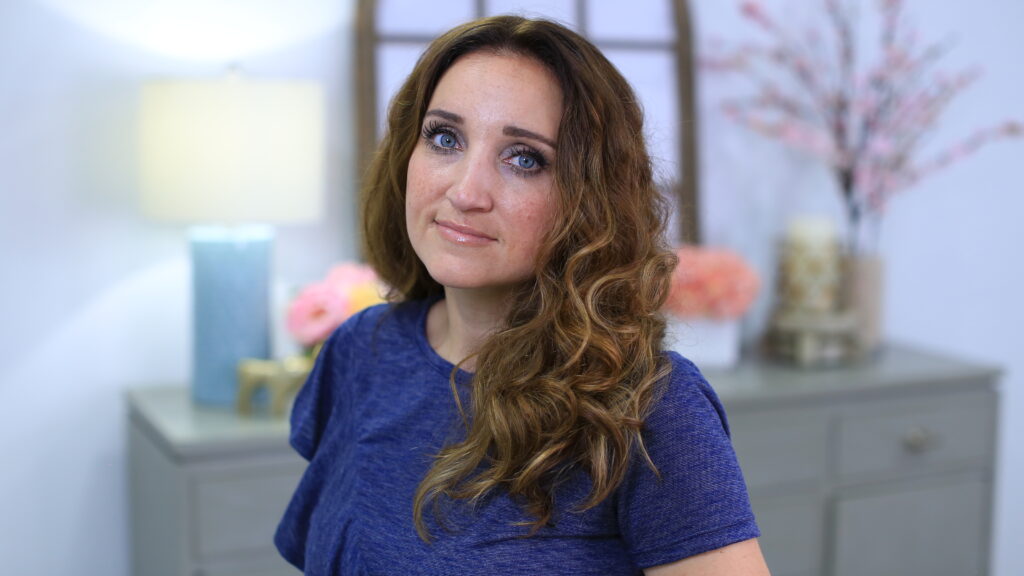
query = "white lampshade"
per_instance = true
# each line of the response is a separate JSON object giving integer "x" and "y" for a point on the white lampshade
{"x": 232, "y": 151}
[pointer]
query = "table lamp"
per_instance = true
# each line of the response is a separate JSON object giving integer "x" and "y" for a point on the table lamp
{"x": 231, "y": 157}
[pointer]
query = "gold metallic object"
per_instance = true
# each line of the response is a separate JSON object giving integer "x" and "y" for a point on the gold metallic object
{"x": 281, "y": 378}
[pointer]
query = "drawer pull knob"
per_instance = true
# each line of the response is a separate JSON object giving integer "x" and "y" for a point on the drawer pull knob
{"x": 918, "y": 439}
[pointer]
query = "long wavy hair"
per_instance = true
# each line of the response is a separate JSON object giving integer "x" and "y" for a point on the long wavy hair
{"x": 566, "y": 383}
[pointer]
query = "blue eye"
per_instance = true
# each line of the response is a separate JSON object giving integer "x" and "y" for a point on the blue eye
{"x": 525, "y": 162}
{"x": 444, "y": 140}
{"x": 441, "y": 137}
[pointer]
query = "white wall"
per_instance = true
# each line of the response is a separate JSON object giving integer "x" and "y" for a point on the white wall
{"x": 94, "y": 299}
{"x": 951, "y": 244}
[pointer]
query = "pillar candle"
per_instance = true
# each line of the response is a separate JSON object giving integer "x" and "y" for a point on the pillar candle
{"x": 810, "y": 270}
{"x": 230, "y": 282}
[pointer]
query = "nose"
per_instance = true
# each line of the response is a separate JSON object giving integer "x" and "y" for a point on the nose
{"x": 473, "y": 188}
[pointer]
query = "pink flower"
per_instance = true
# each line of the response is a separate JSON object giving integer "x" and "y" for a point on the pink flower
{"x": 867, "y": 124}
{"x": 711, "y": 283}
{"x": 755, "y": 12}
{"x": 316, "y": 312}
{"x": 323, "y": 306}
{"x": 345, "y": 275}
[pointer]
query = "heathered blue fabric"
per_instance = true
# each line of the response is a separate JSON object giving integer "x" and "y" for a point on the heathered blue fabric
{"x": 378, "y": 404}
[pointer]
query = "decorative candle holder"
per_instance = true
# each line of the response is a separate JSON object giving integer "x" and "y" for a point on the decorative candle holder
{"x": 810, "y": 325}
{"x": 811, "y": 269}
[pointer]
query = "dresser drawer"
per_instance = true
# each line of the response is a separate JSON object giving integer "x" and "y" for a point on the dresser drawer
{"x": 934, "y": 526}
{"x": 905, "y": 435}
{"x": 236, "y": 511}
{"x": 781, "y": 446}
{"x": 792, "y": 532}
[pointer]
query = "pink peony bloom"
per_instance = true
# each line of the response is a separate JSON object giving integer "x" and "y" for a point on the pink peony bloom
{"x": 711, "y": 283}
{"x": 322, "y": 307}
{"x": 316, "y": 312}
{"x": 346, "y": 275}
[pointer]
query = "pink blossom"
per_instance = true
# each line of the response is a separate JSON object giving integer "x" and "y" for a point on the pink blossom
{"x": 870, "y": 123}
{"x": 711, "y": 283}
{"x": 323, "y": 306}
{"x": 316, "y": 312}
{"x": 807, "y": 138}
{"x": 346, "y": 275}
{"x": 881, "y": 146}
{"x": 755, "y": 12}
{"x": 896, "y": 59}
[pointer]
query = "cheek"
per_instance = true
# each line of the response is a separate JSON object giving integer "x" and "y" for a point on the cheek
{"x": 425, "y": 178}
{"x": 536, "y": 218}
{"x": 415, "y": 187}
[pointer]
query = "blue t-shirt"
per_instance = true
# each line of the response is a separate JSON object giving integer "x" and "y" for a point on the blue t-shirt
{"x": 378, "y": 405}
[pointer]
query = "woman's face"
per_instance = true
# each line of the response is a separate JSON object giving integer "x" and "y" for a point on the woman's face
{"x": 479, "y": 194}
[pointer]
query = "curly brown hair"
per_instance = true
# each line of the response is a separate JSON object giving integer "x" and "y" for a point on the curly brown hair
{"x": 566, "y": 383}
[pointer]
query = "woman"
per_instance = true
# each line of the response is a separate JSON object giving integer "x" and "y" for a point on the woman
{"x": 512, "y": 411}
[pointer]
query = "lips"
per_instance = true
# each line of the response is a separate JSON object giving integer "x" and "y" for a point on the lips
{"x": 463, "y": 235}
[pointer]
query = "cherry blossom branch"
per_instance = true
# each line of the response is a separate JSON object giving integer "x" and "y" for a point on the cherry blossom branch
{"x": 958, "y": 151}
{"x": 868, "y": 127}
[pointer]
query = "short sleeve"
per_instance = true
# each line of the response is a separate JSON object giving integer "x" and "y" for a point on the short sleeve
{"x": 698, "y": 500}
{"x": 318, "y": 399}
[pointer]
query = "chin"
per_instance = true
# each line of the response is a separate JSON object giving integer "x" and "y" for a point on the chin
{"x": 462, "y": 282}
{"x": 473, "y": 279}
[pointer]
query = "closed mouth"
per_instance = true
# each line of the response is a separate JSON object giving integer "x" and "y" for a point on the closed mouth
{"x": 464, "y": 230}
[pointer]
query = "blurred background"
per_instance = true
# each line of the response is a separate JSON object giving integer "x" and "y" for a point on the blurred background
{"x": 96, "y": 296}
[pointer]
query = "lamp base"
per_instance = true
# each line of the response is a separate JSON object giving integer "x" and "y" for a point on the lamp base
{"x": 231, "y": 310}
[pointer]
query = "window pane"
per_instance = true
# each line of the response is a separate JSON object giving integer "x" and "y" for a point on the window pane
{"x": 653, "y": 76}
{"x": 394, "y": 63}
{"x": 421, "y": 18}
{"x": 563, "y": 11}
{"x": 633, "y": 20}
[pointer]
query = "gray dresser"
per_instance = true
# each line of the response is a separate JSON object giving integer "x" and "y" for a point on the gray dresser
{"x": 873, "y": 470}
{"x": 884, "y": 468}
{"x": 207, "y": 488}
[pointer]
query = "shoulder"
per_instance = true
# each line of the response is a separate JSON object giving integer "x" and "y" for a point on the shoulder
{"x": 364, "y": 321}
{"x": 693, "y": 499}
{"x": 352, "y": 351}
{"x": 686, "y": 399}
{"x": 368, "y": 325}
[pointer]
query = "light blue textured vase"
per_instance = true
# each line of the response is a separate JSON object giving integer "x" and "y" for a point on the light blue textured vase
{"x": 231, "y": 307}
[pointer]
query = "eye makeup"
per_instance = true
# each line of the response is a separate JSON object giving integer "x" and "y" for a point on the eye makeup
{"x": 538, "y": 159}
{"x": 440, "y": 136}
{"x": 433, "y": 129}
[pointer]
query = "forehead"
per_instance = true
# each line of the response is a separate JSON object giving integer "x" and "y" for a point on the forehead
{"x": 498, "y": 82}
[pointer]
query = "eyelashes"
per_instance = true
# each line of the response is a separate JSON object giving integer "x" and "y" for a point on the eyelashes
{"x": 525, "y": 158}
{"x": 437, "y": 135}
{"x": 521, "y": 158}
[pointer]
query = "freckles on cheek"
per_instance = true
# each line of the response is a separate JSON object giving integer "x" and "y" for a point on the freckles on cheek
{"x": 540, "y": 213}
{"x": 415, "y": 195}
{"x": 413, "y": 213}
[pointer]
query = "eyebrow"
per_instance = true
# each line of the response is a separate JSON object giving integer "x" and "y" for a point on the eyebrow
{"x": 507, "y": 130}
{"x": 451, "y": 117}
{"x": 523, "y": 133}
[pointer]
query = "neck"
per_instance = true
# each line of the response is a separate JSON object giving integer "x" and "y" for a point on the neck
{"x": 458, "y": 325}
